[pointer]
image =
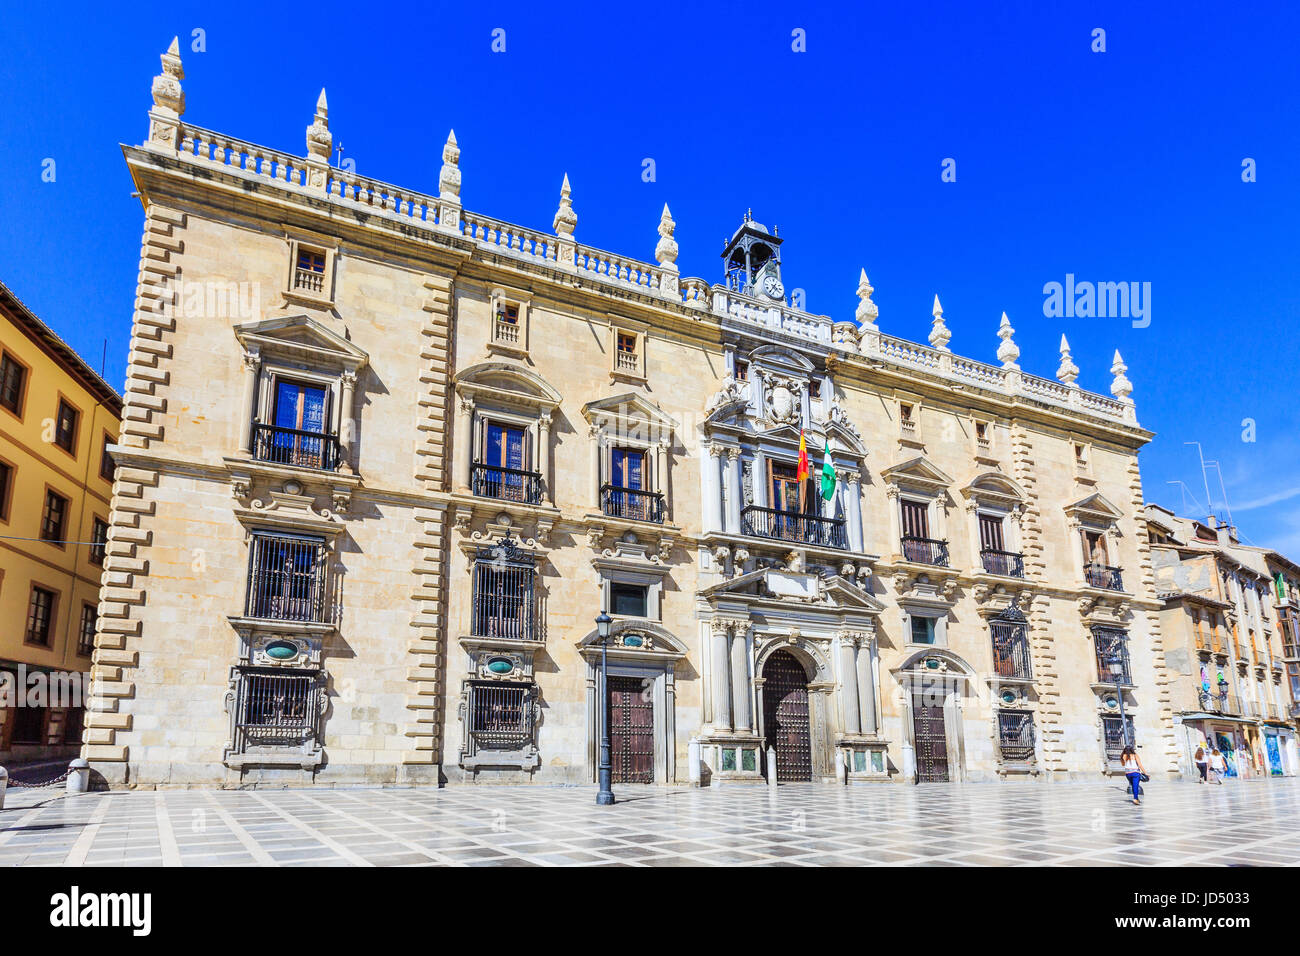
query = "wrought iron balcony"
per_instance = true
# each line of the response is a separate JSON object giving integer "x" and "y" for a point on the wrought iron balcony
{"x": 507, "y": 484}
{"x": 632, "y": 503}
{"x": 1016, "y": 736}
{"x": 925, "y": 551}
{"x": 505, "y": 603}
{"x": 286, "y": 579}
{"x": 1101, "y": 576}
{"x": 1219, "y": 703}
{"x": 1011, "y": 652}
{"x": 791, "y": 526}
{"x": 290, "y": 446}
{"x": 1008, "y": 563}
{"x": 500, "y": 715}
{"x": 276, "y": 708}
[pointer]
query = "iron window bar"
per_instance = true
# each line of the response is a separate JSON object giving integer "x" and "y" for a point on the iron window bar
{"x": 925, "y": 550}
{"x": 506, "y": 484}
{"x": 504, "y": 599}
{"x": 1112, "y": 729}
{"x": 1011, "y": 650}
{"x": 286, "y": 579}
{"x": 1016, "y": 735}
{"x": 500, "y": 715}
{"x": 1101, "y": 576}
{"x": 276, "y": 707}
{"x": 1007, "y": 563}
{"x": 793, "y": 526}
{"x": 1110, "y": 643}
{"x": 634, "y": 503}
{"x": 293, "y": 446}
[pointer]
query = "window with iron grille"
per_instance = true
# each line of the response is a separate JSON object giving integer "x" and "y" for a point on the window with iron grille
{"x": 98, "y": 541}
{"x": 1016, "y": 735}
{"x": 1010, "y": 635}
{"x": 40, "y": 616}
{"x": 86, "y": 633}
{"x": 1111, "y": 646}
{"x": 12, "y": 378}
{"x": 1112, "y": 732}
{"x": 286, "y": 578}
{"x": 54, "y": 517}
{"x": 65, "y": 426}
{"x": 500, "y": 715}
{"x": 504, "y": 598}
{"x": 275, "y": 707}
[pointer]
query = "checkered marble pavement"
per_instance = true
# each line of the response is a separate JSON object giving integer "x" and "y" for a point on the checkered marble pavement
{"x": 1071, "y": 824}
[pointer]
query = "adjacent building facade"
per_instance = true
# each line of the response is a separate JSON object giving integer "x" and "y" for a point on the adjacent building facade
{"x": 1230, "y": 616}
{"x": 57, "y": 421}
{"x": 385, "y": 461}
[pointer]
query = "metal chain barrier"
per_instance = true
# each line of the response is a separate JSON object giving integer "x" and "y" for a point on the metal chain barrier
{"x": 18, "y": 784}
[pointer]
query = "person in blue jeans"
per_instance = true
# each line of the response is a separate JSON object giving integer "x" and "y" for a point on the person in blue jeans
{"x": 1132, "y": 765}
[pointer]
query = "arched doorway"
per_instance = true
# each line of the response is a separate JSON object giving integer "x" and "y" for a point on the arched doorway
{"x": 785, "y": 717}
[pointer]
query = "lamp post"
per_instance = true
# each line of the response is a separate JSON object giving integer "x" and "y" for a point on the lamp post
{"x": 1223, "y": 693}
{"x": 605, "y": 796}
{"x": 1116, "y": 662}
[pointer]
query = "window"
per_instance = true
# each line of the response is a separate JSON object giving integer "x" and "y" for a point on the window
{"x": 905, "y": 415}
{"x": 299, "y": 433}
{"x": 1081, "y": 455}
{"x": 286, "y": 578}
{"x": 502, "y": 468}
{"x": 917, "y": 544}
{"x": 504, "y": 597}
{"x": 1016, "y": 736}
{"x": 916, "y": 519}
{"x": 786, "y": 495}
{"x": 742, "y": 371}
{"x": 86, "y": 634}
{"x": 54, "y": 517}
{"x": 6, "y": 488}
{"x": 309, "y": 272}
{"x": 29, "y": 724}
{"x": 626, "y": 359}
{"x": 275, "y": 707}
{"x": 991, "y": 533}
{"x": 629, "y": 600}
{"x": 107, "y": 468}
{"x": 982, "y": 435}
{"x": 509, "y": 314}
{"x": 923, "y": 629}
{"x": 500, "y": 714}
{"x": 98, "y": 541}
{"x": 13, "y": 376}
{"x": 40, "y": 616}
{"x": 814, "y": 388}
{"x": 1116, "y": 734}
{"x": 1010, "y": 647}
{"x": 628, "y": 494}
{"x": 73, "y": 724}
{"x": 1111, "y": 647}
{"x": 65, "y": 427}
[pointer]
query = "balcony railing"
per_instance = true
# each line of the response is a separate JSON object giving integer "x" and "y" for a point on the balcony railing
{"x": 507, "y": 484}
{"x": 1101, "y": 576}
{"x": 290, "y": 446}
{"x": 309, "y": 280}
{"x": 632, "y": 503}
{"x": 925, "y": 551}
{"x": 1219, "y": 703}
{"x": 791, "y": 526}
{"x": 505, "y": 601}
{"x": 1011, "y": 651}
{"x": 1016, "y": 736}
{"x": 1007, "y": 563}
{"x": 286, "y": 579}
{"x": 500, "y": 715}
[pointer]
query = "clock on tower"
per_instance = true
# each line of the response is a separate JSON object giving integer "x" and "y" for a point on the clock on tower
{"x": 753, "y": 261}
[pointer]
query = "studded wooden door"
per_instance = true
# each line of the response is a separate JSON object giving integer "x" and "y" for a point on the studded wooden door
{"x": 785, "y": 717}
{"x": 631, "y": 730}
{"x": 931, "y": 737}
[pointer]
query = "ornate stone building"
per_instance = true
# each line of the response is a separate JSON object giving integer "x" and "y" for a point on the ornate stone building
{"x": 364, "y": 523}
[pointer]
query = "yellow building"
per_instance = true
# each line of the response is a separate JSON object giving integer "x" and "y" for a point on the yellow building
{"x": 57, "y": 419}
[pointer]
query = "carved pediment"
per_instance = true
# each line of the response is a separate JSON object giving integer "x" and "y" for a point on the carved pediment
{"x": 1095, "y": 507}
{"x": 796, "y": 587}
{"x": 511, "y": 384}
{"x": 994, "y": 487}
{"x": 631, "y": 412}
{"x": 918, "y": 472}
{"x": 301, "y": 338}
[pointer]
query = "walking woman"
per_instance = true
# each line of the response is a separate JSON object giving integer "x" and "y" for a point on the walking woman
{"x": 1132, "y": 765}
{"x": 1218, "y": 766}
{"x": 1202, "y": 763}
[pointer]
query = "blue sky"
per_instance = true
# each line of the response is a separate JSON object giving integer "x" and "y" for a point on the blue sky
{"x": 1117, "y": 166}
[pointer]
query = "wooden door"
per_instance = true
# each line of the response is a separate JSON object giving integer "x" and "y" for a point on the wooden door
{"x": 785, "y": 717}
{"x": 631, "y": 730}
{"x": 931, "y": 738}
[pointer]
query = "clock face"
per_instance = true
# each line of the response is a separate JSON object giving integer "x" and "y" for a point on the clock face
{"x": 772, "y": 286}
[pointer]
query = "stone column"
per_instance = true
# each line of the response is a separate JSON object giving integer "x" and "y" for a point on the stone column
{"x": 740, "y": 678}
{"x": 853, "y": 489}
{"x": 597, "y": 451}
{"x": 867, "y": 686}
{"x": 252, "y": 359}
{"x": 719, "y": 682}
{"x": 735, "y": 490}
{"x": 347, "y": 423}
{"x": 464, "y": 443}
{"x": 661, "y": 473}
{"x": 895, "y": 520}
{"x": 849, "y": 684}
{"x": 544, "y": 456}
{"x": 973, "y": 531}
{"x": 710, "y": 487}
{"x": 760, "y": 479}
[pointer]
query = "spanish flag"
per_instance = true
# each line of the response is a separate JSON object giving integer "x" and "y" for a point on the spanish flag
{"x": 802, "y": 474}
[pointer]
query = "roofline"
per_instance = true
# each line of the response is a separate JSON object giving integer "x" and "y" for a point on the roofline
{"x": 64, "y": 355}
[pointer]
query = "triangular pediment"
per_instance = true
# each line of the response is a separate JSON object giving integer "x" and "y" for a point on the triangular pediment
{"x": 995, "y": 486}
{"x": 832, "y": 593}
{"x": 508, "y": 381}
{"x": 302, "y": 337}
{"x": 917, "y": 471}
{"x": 1095, "y": 506}
{"x": 628, "y": 409}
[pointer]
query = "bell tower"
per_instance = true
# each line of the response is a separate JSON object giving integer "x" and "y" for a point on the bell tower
{"x": 753, "y": 261}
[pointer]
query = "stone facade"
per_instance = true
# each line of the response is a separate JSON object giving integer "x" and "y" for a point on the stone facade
{"x": 369, "y": 512}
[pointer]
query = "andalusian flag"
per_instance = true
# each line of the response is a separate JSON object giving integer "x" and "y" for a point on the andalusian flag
{"x": 828, "y": 473}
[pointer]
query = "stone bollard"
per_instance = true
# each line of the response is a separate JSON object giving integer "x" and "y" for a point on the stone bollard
{"x": 841, "y": 766}
{"x": 771, "y": 766}
{"x": 693, "y": 762}
{"x": 79, "y": 775}
{"x": 4, "y": 785}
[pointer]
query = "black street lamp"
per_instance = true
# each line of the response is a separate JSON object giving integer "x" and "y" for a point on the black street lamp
{"x": 605, "y": 796}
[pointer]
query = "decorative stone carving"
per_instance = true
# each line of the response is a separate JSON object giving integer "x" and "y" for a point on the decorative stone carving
{"x": 565, "y": 218}
{"x": 1068, "y": 372}
{"x": 731, "y": 391}
{"x": 782, "y": 400}
{"x": 449, "y": 177}
{"x": 666, "y": 248}
{"x": 867, "y": 310}
{"x": 319, "y": 139}
{"x": 167, "y": 92}
{"x": 1120, "y": 387}
{"x": 940, "y": 334}
{"x": 1008, "y": 351}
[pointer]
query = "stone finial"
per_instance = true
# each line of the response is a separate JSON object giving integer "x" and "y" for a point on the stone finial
{"x": 449, "y": 177}
{"x": 319, "y": 139}
{"x": 1008, "y": 351}
{"x": 565, "y": 217}
{"x": 940, "y": 334}
{"x": 666, "y": 247}
{"x": 167, "y": 92}
{"x": 1068, "y": 372}
{"x": 1120, "y": 387}
{"x": 867, "y": 311}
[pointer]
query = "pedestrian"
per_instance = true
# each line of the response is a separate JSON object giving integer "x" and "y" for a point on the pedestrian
{"x": 1202, "y": 763}
{"x": 1132, "y": 765}
{"x": 1217, "y": 767}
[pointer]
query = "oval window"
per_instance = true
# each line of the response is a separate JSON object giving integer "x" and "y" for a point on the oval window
{"x": 282, "y": 650}
{"x": 501, "y": 665}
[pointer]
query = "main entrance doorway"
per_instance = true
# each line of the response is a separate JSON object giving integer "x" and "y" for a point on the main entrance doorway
{"x": 931, "y": 738}
{"x": 631, "y": 730}
{"x": 785, "y": 717}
